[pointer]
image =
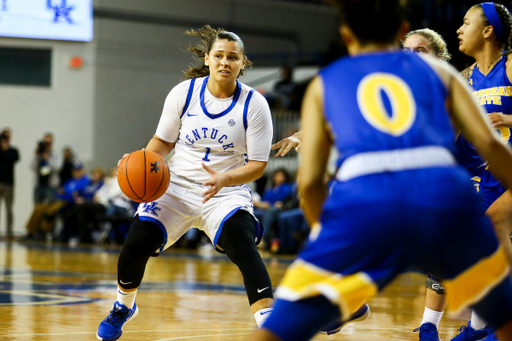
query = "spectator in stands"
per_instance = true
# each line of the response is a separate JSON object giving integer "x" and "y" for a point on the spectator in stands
{"x": 8, "y": 158}
{"x": 272, "y": 202}
{"x": 68, "y": 159}
{"x": 45, "y": 164}
{"x": 86, "y": 215}
{"x": 108, "y": 205}
{"x": 42, "y": 219}
{"x": 293, "y": 228}
{"x": 293, "y": 231}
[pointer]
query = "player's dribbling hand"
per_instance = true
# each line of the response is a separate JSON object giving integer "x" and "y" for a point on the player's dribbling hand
{"x": 286, "y": 145}
{"x": 121, "y": 159}
{"x": 500, "y": 120}
{"x": 124, "y": 156}
{"x": 216, "y": 182}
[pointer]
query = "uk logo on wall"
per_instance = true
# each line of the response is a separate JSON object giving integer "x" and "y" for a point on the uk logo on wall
{"x": 47, "y": 19}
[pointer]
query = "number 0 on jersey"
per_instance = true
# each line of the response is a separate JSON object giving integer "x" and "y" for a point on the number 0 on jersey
{"x": 371, "y": 104}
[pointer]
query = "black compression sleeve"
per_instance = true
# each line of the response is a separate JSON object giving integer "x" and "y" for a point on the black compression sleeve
{"x": 144, "y": 238}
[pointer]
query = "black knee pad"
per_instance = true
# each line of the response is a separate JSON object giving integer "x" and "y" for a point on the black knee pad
{"x": 432, "y": 284}
{"x": 144, "y": 238}
{"x": 237, "y": 239}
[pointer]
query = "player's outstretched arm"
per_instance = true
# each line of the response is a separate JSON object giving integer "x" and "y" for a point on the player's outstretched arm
{"x": 476, "y": 128}
{"x": 316, "y": 145}
{"x": 286, "y": 144}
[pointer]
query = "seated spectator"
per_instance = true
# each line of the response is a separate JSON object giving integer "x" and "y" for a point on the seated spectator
{"x": 42, "y": 219}
{"x": 86, "y": 215}
{"x": 97, "y": 181}
{"x": 293, "y": 231}
{"x": 109, "y": 206}
{"x": 268, "y": 210}
{"x": 293, "y": 228}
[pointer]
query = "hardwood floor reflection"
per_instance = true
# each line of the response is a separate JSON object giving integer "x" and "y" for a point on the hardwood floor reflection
{"x": 53, "y": 292}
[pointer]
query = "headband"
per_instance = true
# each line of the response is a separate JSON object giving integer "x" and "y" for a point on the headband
{"x": 493, "y": 18}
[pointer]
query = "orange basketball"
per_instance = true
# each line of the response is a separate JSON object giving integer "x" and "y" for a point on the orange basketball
{"x": 143, "y": 176}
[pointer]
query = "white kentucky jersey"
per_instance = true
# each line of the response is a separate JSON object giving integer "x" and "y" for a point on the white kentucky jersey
{"x": 222, "y": 133}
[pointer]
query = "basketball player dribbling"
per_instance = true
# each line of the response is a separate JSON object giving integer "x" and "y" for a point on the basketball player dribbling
{"x": 221, "y": 132}
{"x": 394, "y": 134}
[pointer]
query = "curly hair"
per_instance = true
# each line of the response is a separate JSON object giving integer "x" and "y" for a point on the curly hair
{"x": 437, "y": 43}
{"x": 506, "y": 22}
{"x": 209, "y": 36}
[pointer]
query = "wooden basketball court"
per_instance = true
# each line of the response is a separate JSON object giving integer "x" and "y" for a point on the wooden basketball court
{"x": 55, "y": 292}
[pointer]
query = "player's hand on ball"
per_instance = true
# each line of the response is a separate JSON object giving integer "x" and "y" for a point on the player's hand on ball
{"x": 120, "y": 160}
{"x": 124, "y": 156}
{"x": 216, "y": 182}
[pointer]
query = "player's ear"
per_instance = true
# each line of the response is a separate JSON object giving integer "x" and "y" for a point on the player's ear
{"x": 243, "y": 62}
{"x": 346, "y": 35}
{"x": 206, "y": 59}
{"x": 487, "y": 31}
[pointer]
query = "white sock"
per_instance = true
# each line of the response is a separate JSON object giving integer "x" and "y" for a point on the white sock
{"x": 261, "y": 316}
{"x": 126, "y": 298}
{"x": 432, "y": 316}
{"x": 477, "y": 322}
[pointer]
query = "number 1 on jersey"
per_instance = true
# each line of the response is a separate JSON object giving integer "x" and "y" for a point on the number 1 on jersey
{"x": 205, "y": 158}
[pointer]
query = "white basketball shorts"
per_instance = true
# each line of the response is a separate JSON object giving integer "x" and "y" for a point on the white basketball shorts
{"x": 181, "y": 208}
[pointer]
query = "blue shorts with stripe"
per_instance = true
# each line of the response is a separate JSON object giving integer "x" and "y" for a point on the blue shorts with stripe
{"x": 395, "y": 220}
{"x": 376, "y": 226}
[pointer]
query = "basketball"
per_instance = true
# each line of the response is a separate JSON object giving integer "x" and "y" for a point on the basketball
{"x": 143, "y": 176}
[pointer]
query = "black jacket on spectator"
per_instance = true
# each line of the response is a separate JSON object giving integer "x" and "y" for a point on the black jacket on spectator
{"x": 7, "y": 160}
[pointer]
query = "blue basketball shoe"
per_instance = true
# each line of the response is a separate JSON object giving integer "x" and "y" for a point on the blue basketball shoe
{"x": 362, "y": 314}
{"x": 111, "y": 328}
{"x": 467, "y": 333}
{"x": 428, "y": 332}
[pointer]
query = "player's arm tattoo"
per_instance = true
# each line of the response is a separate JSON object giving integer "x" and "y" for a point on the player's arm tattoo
{"x": 467, "y": 72}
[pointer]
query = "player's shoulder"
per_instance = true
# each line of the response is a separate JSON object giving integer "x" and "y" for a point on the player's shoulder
{"x": 185, "y": 84}
{"x": 183, "y": 87}
{"x": 508, "y": 55}
{"x": 256, "y": 96}
{"x": 442, "y": 69}
{"x": 468, "y": 72}
{"x": 342, "y": 63}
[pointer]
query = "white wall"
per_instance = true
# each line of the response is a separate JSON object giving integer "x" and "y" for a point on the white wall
{"x": 65, "y": 108}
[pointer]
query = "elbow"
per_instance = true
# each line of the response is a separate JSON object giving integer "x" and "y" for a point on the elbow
{"x": 260, "y": 173}
{"x": 259, "y": 170}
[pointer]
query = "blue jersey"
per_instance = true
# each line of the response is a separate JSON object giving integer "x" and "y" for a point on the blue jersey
{"x": 494, "y": 93}
{"x": 389, "y": 101}
{"x": 398, "y": 194}
{"x": 468, "y": 156}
